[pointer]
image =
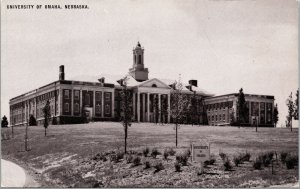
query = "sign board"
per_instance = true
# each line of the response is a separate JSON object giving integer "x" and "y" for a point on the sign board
{"x": 200, "y": 151}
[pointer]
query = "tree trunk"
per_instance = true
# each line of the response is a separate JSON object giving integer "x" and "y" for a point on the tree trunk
{"x": 125, "y": 145}
{"x": 292, "y": 125}
{"x": 256, "y": 127}
{"x": 45, "y": 132}
{"x": 12, "y": 131}
{"x": 176, "y": 125}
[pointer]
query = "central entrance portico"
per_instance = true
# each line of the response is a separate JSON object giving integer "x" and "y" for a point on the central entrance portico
{"x": 146, "y": 96}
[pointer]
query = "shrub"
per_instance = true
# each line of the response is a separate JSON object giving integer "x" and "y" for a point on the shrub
{"x": 177, "y": 167}
{"x": 257, "y": 163}
{"x": 158, "y": 167}
{"x": 270, "y": 155}
{"x": 166, "y": 154}
{"x": 146, "y": 151}
{"x": 120, "y": 155}
{"x": 291, "y": 161}
{"x": 182, "y": 158}
{"x": 266, "y": 161}
{"x": 172, "y": 152}
{"x": 154, "y": 152}
{"x": 136, "y": 161}
{"x": 116, "y": 156}
{"x": 283, "y": 156}
{"x": 227, "y": 164}
{"x": 237, "y": 160}
{"x": 211, "y": 161}
{"x": 223, "y": 156}
{"x": 32, "y": 120}
{"x": 147, "y": 165}
{"x": 246, "y": 156}
{"x": 129, "y": 158}
{"x": 188, "y": 152}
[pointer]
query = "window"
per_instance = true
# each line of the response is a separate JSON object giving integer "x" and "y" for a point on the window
{"x": 66, "y": 107}
{"x": 76, "y": 95}
{"x": 87, "y": 99}
{"x": 223, "y": 117}
{"x": 76, "y": 108}
{"x": 154, "y": 85}
{"x": 67, "y": 95}
{"x": 107, "y": 109}
{"x": 98, "y": 96}
{"x": 107, "y": 96}
{"x": 140, "y": 59}
{"x": 52, "y": 110}
{"x": 212, "y": 117}
{"x": 98, "y": 109}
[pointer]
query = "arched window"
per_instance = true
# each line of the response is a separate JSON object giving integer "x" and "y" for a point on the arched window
{"x": 140, "y": 59}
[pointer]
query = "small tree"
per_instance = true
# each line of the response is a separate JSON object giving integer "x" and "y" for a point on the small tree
{"x": 296, "y": 106}
{"x": 275, "y": 115}
{"x": 4, "y": 122}
{"x": 289, "y": 117}
{"x": 126, "y": 111}
{"x": 47, "y": 115}
{"x": 242, "y": 108}
{"x": 178, "y": 105}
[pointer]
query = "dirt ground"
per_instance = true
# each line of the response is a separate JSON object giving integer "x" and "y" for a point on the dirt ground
{"x": 65, "y": 158}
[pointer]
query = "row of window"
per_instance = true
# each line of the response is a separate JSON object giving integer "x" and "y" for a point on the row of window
{"x": 220, "y": 117}
{"x": 87, "y": 96}
{"x": 47, "y": 96}
{"x": 77, "y": 107}
{"x": 221, "y": 105}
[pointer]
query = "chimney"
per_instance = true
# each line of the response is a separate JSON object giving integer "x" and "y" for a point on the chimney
{"x": 193, "y": 82}
{"x": 62, "y": 72}
{"x": 102, "y": 80}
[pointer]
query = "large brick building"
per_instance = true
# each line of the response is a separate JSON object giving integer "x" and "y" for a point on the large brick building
{"x": 98, "y": 99}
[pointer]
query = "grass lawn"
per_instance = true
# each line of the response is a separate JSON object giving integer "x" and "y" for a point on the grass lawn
{"x": 65, "y": 158}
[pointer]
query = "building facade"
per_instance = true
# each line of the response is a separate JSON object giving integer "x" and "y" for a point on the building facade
{"x": 98, "y": 99}
{"x": 223, "y": 110}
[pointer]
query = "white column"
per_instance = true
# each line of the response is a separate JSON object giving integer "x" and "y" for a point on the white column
{"x": 72, "y": 103}
{"x": 113, "y": 104}
{"x": 35, "y": 108}
{"x": 159, "y": 108}
{"x": 102, "y": 104}
{"x": 144, "y": 106}
{"x": 138, "y": 106}
{"x": 169, "y": 108}
{"x": 133, "y": 105}
{"x": 148, "y": 107}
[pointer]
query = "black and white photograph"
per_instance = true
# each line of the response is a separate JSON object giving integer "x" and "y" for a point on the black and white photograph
{"x": 149, "y": 94}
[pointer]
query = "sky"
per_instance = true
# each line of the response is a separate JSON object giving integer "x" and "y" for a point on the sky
{"x": 224, "y": 44}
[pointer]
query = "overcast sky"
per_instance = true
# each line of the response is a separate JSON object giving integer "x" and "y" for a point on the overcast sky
{"x": 224, "y": 44}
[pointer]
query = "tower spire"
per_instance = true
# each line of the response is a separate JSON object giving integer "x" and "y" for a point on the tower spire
{"x": 138, "y": 71}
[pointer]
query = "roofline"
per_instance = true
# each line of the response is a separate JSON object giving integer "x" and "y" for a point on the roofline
{"x": 236, "y": 94}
